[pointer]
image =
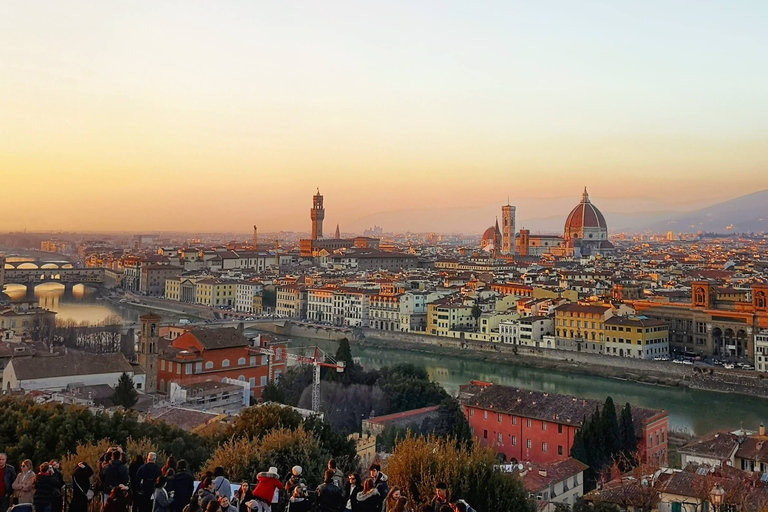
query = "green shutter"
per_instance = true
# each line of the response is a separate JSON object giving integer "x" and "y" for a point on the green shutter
{"x": 676, "y": 506}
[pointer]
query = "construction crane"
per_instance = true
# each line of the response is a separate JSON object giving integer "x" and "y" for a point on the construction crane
{"x": 319, "y": 360}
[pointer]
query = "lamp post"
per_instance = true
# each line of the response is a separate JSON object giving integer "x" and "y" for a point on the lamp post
{"x": 716, "y": 496}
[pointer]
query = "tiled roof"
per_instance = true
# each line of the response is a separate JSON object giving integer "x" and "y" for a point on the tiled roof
{"x": 719, "y": 445}
{"x": 225, "y": 337}
{"x": 69, "y": 365}
{"x": 539, "y": 477}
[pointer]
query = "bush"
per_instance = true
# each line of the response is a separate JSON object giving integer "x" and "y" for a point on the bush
{"x": 90, "y": 453}
{"x": 418, "y": 463}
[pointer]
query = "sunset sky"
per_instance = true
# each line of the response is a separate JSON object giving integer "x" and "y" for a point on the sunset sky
{"x": 213, "y": 116}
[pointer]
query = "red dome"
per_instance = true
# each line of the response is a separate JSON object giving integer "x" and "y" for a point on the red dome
{"x": 585, "y": 215}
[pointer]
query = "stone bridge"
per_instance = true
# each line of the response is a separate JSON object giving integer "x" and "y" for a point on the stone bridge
{"x": 66, "y": 276}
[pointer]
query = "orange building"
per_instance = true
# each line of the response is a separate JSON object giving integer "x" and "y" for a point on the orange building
{"x": 203, "y": 355}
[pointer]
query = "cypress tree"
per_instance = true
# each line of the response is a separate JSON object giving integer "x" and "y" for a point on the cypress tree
{"x": 627, "y": 430}
{"x": 578, "y": 449}
{"x": 611, "y": 431}
{"x": 125, "y": 393}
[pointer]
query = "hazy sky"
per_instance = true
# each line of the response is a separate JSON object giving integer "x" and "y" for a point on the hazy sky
{"x": 217, "y": 115}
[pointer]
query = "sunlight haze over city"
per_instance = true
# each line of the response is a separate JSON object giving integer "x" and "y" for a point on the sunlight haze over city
{"x": 215, "y": 115}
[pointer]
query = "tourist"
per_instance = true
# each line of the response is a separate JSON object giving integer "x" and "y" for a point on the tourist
{"x": 81, "y": 488}
{"x": 263, "y": 495}
{"x": 206, "y": 475}
{"x": 221, "y": 486}
{"x": 299, "y": 501}
{"x": 226, "y": 506}
{"x": 401, "y": 505}
{"x": 133, "y": 468}
{"x": 114, "y": 473}
{"x": 23, "y": 485}
{"x": 459, "y": 505}
{"x": 213, "y": 506}
{"x": 45, "y": 486}
{"x": 7, "y": 477}
{"x": 169, "y": 464}
{"x": 242, "y": 496}
{"x": 369, "y": 499}
{"x": 57, "y": 505}
{"x": 294, "y": 481}
{"x": 380, "y": 480}
{"x": 146, "y": 477}
{"x": 119, "y": 500}
{"x": 392, "y": 499}
{"x": 206, "y": 495}
{"x": 329, "y": 495}
{"x": 441, "y": 496}
{"x": 162, "y": 500}
{"x": 352, "y": 488}
{"x": 183, "y": 485}
{"x": 338, "y": 476}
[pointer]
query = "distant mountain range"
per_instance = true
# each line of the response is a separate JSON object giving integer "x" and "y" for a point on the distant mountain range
{"x": 747, "y": 213}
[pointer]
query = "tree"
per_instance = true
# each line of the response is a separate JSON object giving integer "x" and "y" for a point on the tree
{"x": 476, "y": 313}
{"x": 627, "y": 436}
{"x": 273, "y": 393}
{"x": 418, "y": 463}
{"x": 449, "y": 423}
{"x": 610, "y": 429}
{"x": 257, "y": 421}
{"x": 125, "y": 393}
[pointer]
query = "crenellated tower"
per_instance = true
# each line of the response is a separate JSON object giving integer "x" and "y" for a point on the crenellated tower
{"x": 317, "y": 214}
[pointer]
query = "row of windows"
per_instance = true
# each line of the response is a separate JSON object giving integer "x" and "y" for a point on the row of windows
{"x": 209, "y": 365}
{"x": 528, "y": 442}
{"x": 500, "y": 419}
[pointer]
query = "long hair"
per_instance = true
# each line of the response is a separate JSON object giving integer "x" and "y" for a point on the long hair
{"x": 368, "y": 485}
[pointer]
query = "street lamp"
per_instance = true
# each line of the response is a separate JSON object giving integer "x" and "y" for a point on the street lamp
{"x": 716, "y": 496}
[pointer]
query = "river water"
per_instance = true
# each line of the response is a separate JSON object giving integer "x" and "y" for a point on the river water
{"x": 696, "y": 411}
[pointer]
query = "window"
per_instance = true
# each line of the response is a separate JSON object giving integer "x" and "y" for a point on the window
{"x": 514, "y": 440}
{"x": 662, "y": 436}
{"x": 528, "y": 422}
{"x": 499, "y": 438}
{"x": 543, "y": 425}
{"x": 170, "y": 366}
{"x": 252, "y": 382}
{"x": 253, "y": 360}
{"x": 178, "y": 368}
{"x": 559, "y": 429}
{"x": 198, "y": 367}
{"x": 241, "y": 361}
{"x": 471, "y": 412}
{"x": 188, "y": 368}
{"x": 485, "y": 434}
{"x": 544, "y": 447}
{"x": 559, "y": 449}
{"x": 264, "y": 361}
{"x": 225, "y": 363}
{"x": 650, "y": 440}
{"x": 514, "y": 420}
{"x": 209, "y": 365}
{"x": 263, "y": 380}
{"x": 499, "y": 418}
{"x": 162, "y": 364}
{"x": 485, "y": 415}
{"x": 241, "y": 378}
{"x": 528, "y": 443}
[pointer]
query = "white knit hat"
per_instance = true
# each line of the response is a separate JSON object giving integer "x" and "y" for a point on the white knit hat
{"x": 296, "y": 470}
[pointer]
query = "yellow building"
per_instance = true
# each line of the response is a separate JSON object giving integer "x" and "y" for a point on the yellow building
{"x": 580, "y": 327}
{"x": 444, "y": 316}
{"x": 216, "y": 293}
{"x": 258, "y": 304}
{"x": 637, "y": 337}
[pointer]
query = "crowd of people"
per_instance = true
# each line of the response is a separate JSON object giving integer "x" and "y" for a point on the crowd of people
{"x": 142, "y": 485}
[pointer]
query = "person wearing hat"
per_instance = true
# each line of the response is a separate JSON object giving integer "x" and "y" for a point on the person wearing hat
{"x": 263, "y": 495}
{"x": 295, "y": 480}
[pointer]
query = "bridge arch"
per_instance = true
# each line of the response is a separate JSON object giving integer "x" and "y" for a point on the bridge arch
{"x": 47, "y": 266}
{"x": 27, "y": 265}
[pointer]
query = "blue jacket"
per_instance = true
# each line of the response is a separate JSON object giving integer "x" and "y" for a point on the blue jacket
{"x": 10, "y": 476}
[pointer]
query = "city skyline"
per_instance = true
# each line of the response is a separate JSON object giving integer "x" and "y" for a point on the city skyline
{"x": 198, "y": 118}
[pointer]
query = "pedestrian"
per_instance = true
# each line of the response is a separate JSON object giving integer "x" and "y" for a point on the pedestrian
{"x": 114, "y": 473}
{"x": 329, "y": 495}
{"x": 352, "y": 489}
{"x": 380, "y": 480}
{"x": 169, "y": 464}
{"x": 7, "y": 477}
{"x": 268, "y": 483}
{"x": 221, "y": 485}
{"x": 119, "y": 499}
{"x": 213, "y": 506}
{"x": 299, "y": 501}
{"x": 242, "y": 496}
{"x": 401, "y": 505}
{"x": 205, "y": 496}
{"x": 57, "y": 505}
{"x": 461, "y": 506}
{"x": 295, "y": 480}
{"x": 369, "y": 499}
{"x": 225, "y": 504}
{"x": 170, "y": 485}
{"x": 146, "y": 477}
{"x": 338, "y": 476}
{"x": 81, "y": 488}
{"x": 133, "y": 468}
{"x": 441, "y": 496}
{"x": 183, "y": 485}
{"x": 23, "y": 486}
{"x": 392, "y": 498}
{"x": 162, "y": 500}
{"x": 45, "y": 486}
{"x": 206, "y": 475}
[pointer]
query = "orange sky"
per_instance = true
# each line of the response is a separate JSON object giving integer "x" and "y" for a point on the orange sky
{"x": 189, "y": 116}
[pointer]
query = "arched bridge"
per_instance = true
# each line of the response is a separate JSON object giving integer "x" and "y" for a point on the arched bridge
{"x": 59, "y": 275}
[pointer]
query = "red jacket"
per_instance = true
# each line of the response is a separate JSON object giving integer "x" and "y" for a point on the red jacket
{"x": 265, "y": 489}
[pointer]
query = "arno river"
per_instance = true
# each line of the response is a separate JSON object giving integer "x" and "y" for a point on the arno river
{"x": 697, "y": 411}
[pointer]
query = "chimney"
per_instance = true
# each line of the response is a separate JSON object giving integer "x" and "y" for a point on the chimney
{"x": 542, "y": 472}
{"x": 762, "y": 429}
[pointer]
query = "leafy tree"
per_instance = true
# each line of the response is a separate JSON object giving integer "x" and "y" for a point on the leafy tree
{"x": 582, "y": 505}
{"x": 273, "y": 393}
{"x": 450, "y": 422}
{"x": 418, "y": 463}
{"x": 293, "y": 383}
{"x": 256, "y": 422}
{"x": 333, "y": 442}
{"x": 125, "y": 393}
{"x": 345, "y": 407}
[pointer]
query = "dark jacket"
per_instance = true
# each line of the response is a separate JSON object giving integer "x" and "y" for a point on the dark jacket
{"x": 292, "y": 483}
{"x": 242, "y": 500}
{"x": 162, "y": 502}
{"x": 10, "y": 476}
{"x": 204, "y": 497}
{"x": 382, "y": 485}
{"x": 351, "y": 493}
{"x": 114, "y": 474}
{"x": 132, "y": 470}
{"x": 370, "y": 502}
{"x": 184, "y": 485}
{"x": 146, "y": 477}
{"x": 81, "y": 482}
{"x": 329, "y": 497}
{"x": 45, "y": 487}
{"x": 299, "y": 505}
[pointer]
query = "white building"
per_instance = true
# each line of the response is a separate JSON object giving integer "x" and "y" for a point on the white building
{"x": 509, "y": 332}
{"x": 244, "y": 294}
{"x": 534, "y": 328}
{"x": 761, "y": 351}
{"x": 320, "y": 305}
{"x": 561, "y": 481}
{"x": 55, "y": 373}
{"x": 413, "y": 311}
